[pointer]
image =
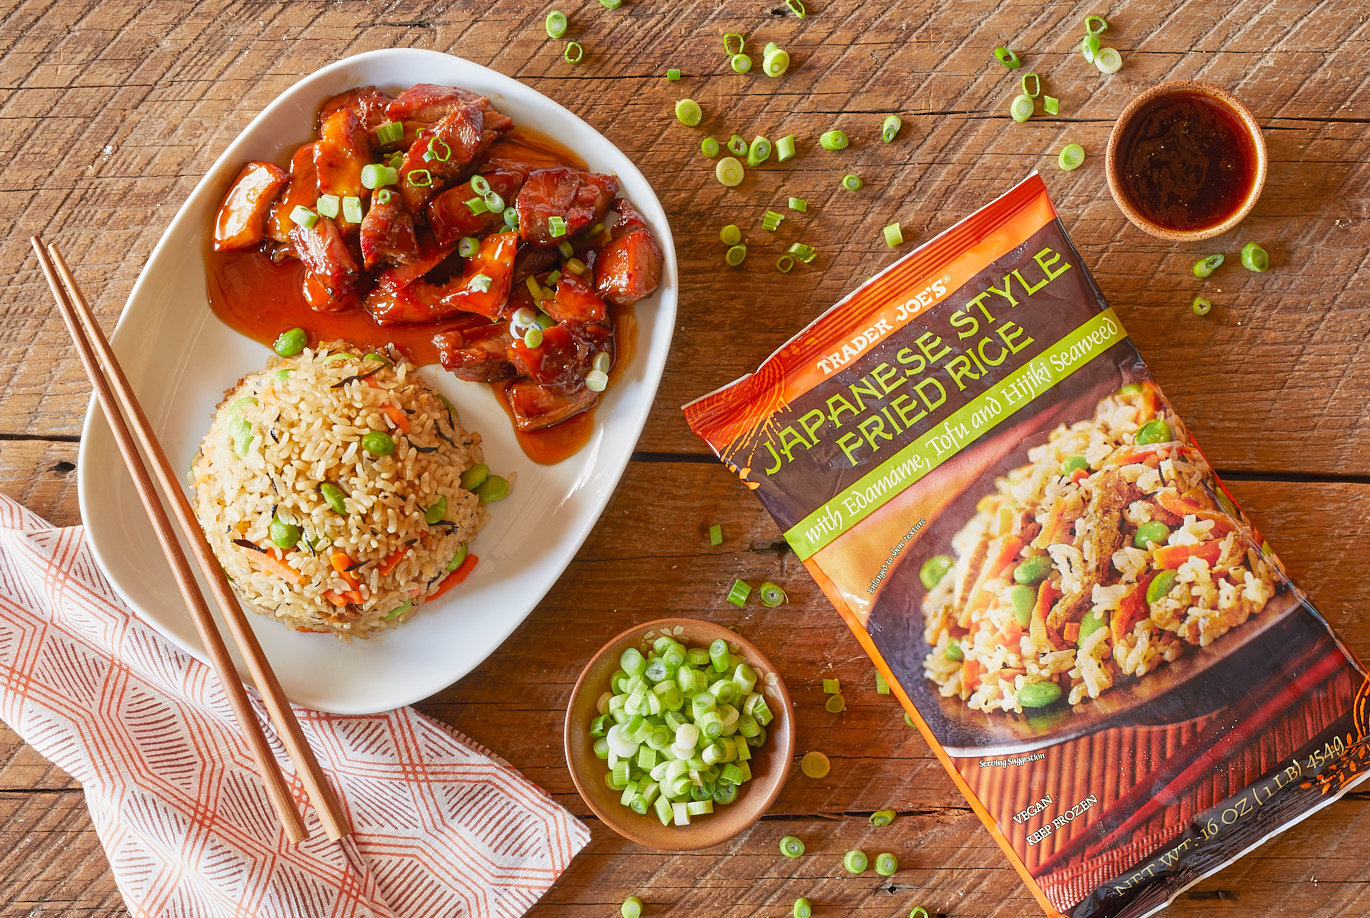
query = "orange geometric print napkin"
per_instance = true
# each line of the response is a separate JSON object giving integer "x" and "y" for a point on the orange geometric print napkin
{"x": 440, "y": 827}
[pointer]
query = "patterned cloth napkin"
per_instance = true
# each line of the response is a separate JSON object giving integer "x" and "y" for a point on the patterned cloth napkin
{"x": 440, "y": 827}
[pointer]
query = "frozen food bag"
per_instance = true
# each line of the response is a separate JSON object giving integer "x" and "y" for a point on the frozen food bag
{"x": 972, "y": 460}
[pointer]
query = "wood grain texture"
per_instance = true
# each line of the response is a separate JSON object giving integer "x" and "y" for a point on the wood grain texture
{"x": 110, "y": 110}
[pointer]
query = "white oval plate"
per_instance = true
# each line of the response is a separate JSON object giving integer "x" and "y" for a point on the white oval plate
{"x": 181, "y": 358}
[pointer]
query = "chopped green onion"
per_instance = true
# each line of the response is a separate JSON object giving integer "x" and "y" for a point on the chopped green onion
{"x": 437, "y": 150}
{"x": 737, "y": 145}
{"x": 729, "y": 171}
{"x": 882, "y": 686}
{"x": 739, "y": 593}
{"x": 772, "y": 595}
{"x": 799, "y": 204}
{"x": 893, "y": 235}
{"x": 480, "y": 185}
{"x": 632, "y": 906}
{"x": 532, "y": 337}
{"x": 803, "y": 908}
{"x": 303, "y": 216}
{"x": 784, "y": 264}
{"x": 919, "y": 912}
{"x": 855, "y": 861}
{"x": 419, "y": 178}
{"x": 575, "y": 266}
{"x": 494, "y": 203}
{"x": 611, "y": 4}
{"x": 908, "y": 721}
{"x": 374, "y": 175}
{"x": 596, "y": 380}
{"x": 395, "y": 159}
{"x": 1022, "y": 108}
{"x": 759, "y": 151}
{"x": 797, "y": 7}
{"x": 384, "y": 195}
{"x": 511, "y": 217}
{"x": 482, "y": 282}
{"x": 886, "y": 864}
{"x": 771, "y": 222}
{"x": 728, "y": 39}
{"x": 741, "y": 63}
{"x": 1089, "y": 47}
{"x": 1072, "y": 155}
{"x": 890, "y": 128}
{"x": 709, "y": 147}
{"x": 1007, "y": 58}
{"x": 790, "y": 846}
{"x": 556, "y": 226}
{"x": 352, "y": 208}
{"x": 328, "y": 205}
{"x": 574, "y": 53}
{"x": 554, "y": 275}
{"x": 1254, "y": 258}
{"x": 815, "y": 765}
{"x": 804, "y": 253}
{"x": 832, "y": 686}
{"x": 389, "y": 132}
{"x": 1095, "y": 25}
{"x": 291, "y": 342}
{"x": 1108, "y": 60}
{"x": 566, "y": 249}
{"x": 477, "y": 206}
{"x": 1032, "y": 88}
{"x": 784, "y": 148}
{"x": 1051, "y": 105}
{"x": 556, "y": 24}
{"x": 851, "y": 182}
{"x": 468, "y": 246}
{"x": 833, "y": 140}
{"x": 1201, "y": 306}
{"x": 688, "y": 112}
{"x": 602, "y": 362}
{"x": 882, "y": 817}
{"x": 673, "y": 74}
{"x": 1207, "y": 265}
{"x": 836, "y": 704}
{"x": 773, "y": 65}
{"x": 730, "y": 234}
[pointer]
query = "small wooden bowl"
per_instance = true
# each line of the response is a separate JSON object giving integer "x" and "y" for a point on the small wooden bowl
{"x": 1113, "y": 167}
{"x": 770, "y": 764}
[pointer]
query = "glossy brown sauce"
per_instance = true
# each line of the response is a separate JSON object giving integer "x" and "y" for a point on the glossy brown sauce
{"x": 1188, "y": 162}
{"x": 261, "y": 299}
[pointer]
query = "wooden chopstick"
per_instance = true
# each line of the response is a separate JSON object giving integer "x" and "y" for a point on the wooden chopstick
{"x": 122, "y": 409}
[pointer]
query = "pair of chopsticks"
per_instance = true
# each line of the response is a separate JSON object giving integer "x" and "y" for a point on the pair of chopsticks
{"x": 123, "y": 411}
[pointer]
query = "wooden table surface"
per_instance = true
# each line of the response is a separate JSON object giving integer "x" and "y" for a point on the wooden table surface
{"x": 110, "y": 110}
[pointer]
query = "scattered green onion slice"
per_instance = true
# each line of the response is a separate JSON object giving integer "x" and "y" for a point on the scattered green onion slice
{"x": 556, "y": 24}
{"x": 803, "y": 908}
{"x": 715, "y": 534}
{"x": 494, "y": 203}
{"x": 437, "y": 150}
{"x": 477, "y": 206}
{"x": 480, "y": 185}
{"x": 730, "y": 234}
{"x": 303, "y": 216}
{"x": 389, "y": 132}
{"x": 1022, "y": 108}
{"x": 739, "y": 593}
{"x": 805, "y": 253}
{"x": 890, "y": 128}
{"x": 832, "y": 686}
{"x": 556, "y": 226}
{"x": 468, "y": 246}
{"x": 1108, "y": 60}
{"x": 1032, "y": 85}
{"x": 482, "y": 282}
{"x": 815, "y": 765}
{"x": 833, "y": 140}
{"x": 1207, "y": 265}
{"x": 1072, "y": 155}
{"x": 737, "y": 145}
{"x": 533, "y": 337}
{"x": 1007, "y": 58}
{"x": 855, "y": 861}
{"x": 419, "y": 178}
{"x": 797, "y": 7}
{"x": 352, "y": 208}
{"x": 741, "y": 63}
{"x": 729, "y": 38}
{"x": 919, "y": 912}
{"x": 632, "y": 906}
{"x": 328, "y": 205}
{"x": 611, "y": 4}
{"x": 1095, "y": 25}
{"x": 511, "y": 217}
{"x": 291, "y": 342}
{"x": 771, "y": 222}
{"x": 374, "y": 175}
{"x": 851, "y": 182}
{"x": 729, "y": 171}
{"x": 574, "y": 53}
{"x": 1051, "y": 105}
{"x": 1254, "y": 258}
{"x": 893, "y": 235}
{"x": 882, "y": 687}
{"x": 835, "y": 704}
{"x": 758, "y": 151}
{"x": 1201, "y": 306}
{"x": 596, "y": 380}
{"x": 784, "y": 148}
{"x": 771, "y": 594}
{"x": 602, "y": 362}
{"x": 673, "y": 74}
{"x": 688, "y": 112}
{"x": 790, "y": 846}
{"x": 709, "y": 147}
{"x": 882, "y": 817}
{"x": 908, "y": 721}
{"x": 1089, "y": 47}
{"x": 784, "y": 264}
{"x": 384, "y": 195}
{"x": 886, "y": 864}
{"x": 799, "y": 204}
{"x": 773, "y": 65}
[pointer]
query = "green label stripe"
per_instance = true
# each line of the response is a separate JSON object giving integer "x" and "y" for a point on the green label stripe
{"x": 967, "y": 424}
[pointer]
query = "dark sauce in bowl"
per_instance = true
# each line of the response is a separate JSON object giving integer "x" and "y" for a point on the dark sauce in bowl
{"x": 1187, "y": 162}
